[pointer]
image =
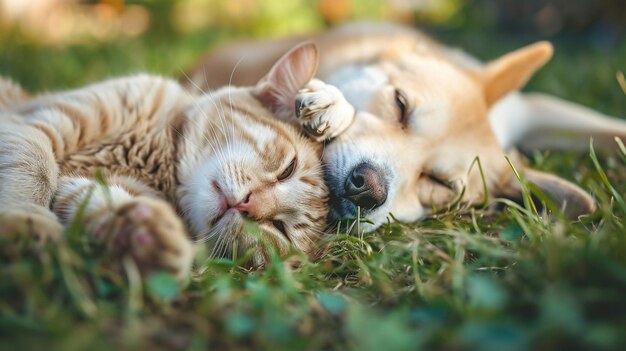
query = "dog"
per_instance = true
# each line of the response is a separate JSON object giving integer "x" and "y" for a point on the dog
{"x": 433, "y": 124}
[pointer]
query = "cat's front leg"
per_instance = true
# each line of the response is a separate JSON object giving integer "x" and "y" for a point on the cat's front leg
{"x": 128, "y": 222}
{"x": 323, "y": 111}
{"x": 28, "y": 179}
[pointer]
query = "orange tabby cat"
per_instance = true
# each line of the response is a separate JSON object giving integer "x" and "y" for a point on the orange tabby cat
{"x": 217, "y": 159}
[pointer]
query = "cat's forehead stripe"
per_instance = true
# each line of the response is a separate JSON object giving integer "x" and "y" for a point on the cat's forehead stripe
{"x": 279, "y": 150}
{"x": 280, "y": 156}
{"x": 250, "y": 139}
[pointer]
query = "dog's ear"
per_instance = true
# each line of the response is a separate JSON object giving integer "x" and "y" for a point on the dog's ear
{"x": 513, "y": 70}
{"x": 277, "y": 90}
{"x": 568, "y": 197}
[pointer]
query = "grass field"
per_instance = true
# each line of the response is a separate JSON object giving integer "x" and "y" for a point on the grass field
{"x": 472, "y": 280}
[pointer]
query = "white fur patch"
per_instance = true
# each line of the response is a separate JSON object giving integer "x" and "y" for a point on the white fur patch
{"x": 508, "y": 119}
{"x": 358, "y": 84}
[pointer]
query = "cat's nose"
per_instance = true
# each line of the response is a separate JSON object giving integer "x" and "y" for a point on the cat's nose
{"x": 246, "y": 206}
{"x": 366, "y": 187}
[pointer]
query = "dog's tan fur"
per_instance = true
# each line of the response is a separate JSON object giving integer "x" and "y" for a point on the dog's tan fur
{"x": 452, "y": 96}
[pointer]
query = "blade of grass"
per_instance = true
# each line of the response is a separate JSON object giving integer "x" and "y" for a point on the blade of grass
{"x": 526, "y": 194}
{"x": 483, "y": 179}
{"x": 594, "y": 158}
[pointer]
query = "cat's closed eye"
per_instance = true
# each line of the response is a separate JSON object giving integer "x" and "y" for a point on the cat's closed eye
{"x": 280, "y": 225}
{"x": 288, "y": 172}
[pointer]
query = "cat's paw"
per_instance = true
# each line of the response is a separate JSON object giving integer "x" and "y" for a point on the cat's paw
{"x": 32, "y": 222}
{"x": 151, "y": 233}
{"x": 323, "y": 111}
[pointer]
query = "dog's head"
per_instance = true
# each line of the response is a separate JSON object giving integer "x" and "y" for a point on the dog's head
{"x": 422, "y": 123}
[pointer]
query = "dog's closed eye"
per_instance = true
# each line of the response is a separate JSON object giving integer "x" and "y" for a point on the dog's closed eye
{"x": 437, "y": 180}
{"x": 404, "y": 107}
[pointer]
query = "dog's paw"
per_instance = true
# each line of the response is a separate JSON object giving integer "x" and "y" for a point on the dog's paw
{"x": 150, "y": 232}
{"x": 323, "y": 111}
{"x": 32, "y": 222}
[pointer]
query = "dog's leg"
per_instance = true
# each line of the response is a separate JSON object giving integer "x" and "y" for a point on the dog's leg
{"x": 539, "y": 121}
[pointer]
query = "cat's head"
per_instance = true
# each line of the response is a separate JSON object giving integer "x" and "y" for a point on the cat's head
{"x": 249, "y": 180}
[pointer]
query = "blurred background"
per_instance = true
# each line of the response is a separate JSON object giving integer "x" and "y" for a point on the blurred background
{"x": 51, "y": 44}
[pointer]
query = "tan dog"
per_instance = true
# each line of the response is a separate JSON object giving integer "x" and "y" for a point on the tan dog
{"x": 425, "y": 113}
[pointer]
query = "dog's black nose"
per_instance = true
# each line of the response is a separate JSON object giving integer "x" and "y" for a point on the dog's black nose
{"x": 366, "y": 187}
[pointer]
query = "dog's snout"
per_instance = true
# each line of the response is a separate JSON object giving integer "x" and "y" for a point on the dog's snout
{"x": 366, "y": 187}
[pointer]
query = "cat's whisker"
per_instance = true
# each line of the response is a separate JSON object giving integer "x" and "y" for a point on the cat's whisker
{"x": 208, "y": 119}
{"x": 197, "y": 107}
{"x": 204, "y": 237}
{"x": 222, "y": 120}
{"x": 226, "y": 246}
{"x": 230, "y": 101}
{"x": 228, "y": 239}
{"x": 216, "y": 247}
{"x": 215, "y": 234}
{"x": 217, "y": 151}
{"x": 219, "y": 112}
{"x": 222, "y": 244}
{"x": 200, "y": 90}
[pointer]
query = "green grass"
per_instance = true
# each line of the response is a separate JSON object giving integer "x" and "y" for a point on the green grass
{"x": 475, "y": 280}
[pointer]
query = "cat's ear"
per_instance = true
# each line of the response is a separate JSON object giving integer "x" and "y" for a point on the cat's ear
{"x": 568, "y": 197}
{"x": 278, "y": 89}
{"x": 513, "y": 70}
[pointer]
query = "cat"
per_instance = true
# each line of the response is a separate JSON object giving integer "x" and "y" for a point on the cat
{"x": 221, "y": 160}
